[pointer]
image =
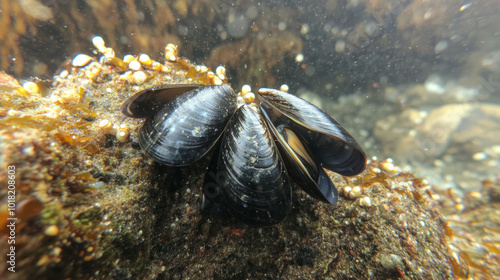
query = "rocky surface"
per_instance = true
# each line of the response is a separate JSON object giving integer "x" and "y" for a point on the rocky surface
{"x": 91, "y": 206}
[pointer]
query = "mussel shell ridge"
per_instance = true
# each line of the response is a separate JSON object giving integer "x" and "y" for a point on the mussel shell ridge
{"x": 183, "y": 131}
{"x": 252, "y": 181}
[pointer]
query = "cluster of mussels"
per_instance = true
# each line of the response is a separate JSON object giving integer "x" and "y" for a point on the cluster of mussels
{"x": 262, "y": 142}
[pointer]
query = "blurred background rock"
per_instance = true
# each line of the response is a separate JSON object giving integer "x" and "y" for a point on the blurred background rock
{"x": 331, "y": 46}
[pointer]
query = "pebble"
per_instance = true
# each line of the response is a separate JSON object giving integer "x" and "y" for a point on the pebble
{"x": 438, "y": 163}
{"x": 110, "y": 53}
{"x": 460, "y": 207}
{"x": 81, "y": 60}
{"x": 134, "y": 65}
{"x": 480, "y": 156}
{"x": 145, "y": 60}
{"x": 356, "y": 192}
{"x": 387, "y": 166}
{"x": 95, "y": 69}
{"x": 56, "y": 251}
{"x": 108, "y": 127}
{"x": 99, "y": 43}
{"x": 31, "y": 87}
{"x": 171, "y": 52}
{"x": 299, "y": 58}
{"x": 245, "y": 89}
{"x": 221, "y": 72}
{"x": 64, "y": 74}
{"x": 139, "y": 77}
{"x": 123, "y": 133}
{"x": 156, "y": 66}
{"x": 390, "y": 261}
{"x": 217, "y": 81}
{"x": 365, "y": 201}
{"x": 128, "y": 58}
{"x": 165, "y": 69}
{"x": 352, "y": 192}
{"x": 52, "y": 230}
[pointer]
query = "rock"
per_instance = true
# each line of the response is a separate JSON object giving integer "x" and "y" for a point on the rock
{"x": 397, "y": 133}
{"x": 478, "y": 129}
{"x": 456, "y": 129}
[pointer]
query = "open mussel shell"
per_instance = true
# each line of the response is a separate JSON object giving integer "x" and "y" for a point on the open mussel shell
{"x": 330, "y": 143}
{"x": 301, "y": 163}
{"x": 183, "y": 130}
{"x": 251, "y": 181}
{"x": 149, "y": 101}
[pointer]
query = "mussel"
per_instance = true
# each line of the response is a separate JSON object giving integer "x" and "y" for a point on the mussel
{"x": 261, "y": 144}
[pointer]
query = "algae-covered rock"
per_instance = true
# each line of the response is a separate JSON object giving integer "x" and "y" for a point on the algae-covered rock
{"x": 90, "y": 205}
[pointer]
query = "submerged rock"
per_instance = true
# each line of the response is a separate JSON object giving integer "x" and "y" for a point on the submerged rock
{"x": 462, "y": 134}
{"x": 102, "y": 210}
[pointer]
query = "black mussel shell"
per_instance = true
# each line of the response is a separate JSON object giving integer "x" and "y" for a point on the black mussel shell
{"x": 185, "y": 129}
{"x": 300, "y": 162}
{"x": 149, "y": 101}
{"x": 212, "y": 200}
{"x": 251, "y": 181}
{"x": 330, "y": 143}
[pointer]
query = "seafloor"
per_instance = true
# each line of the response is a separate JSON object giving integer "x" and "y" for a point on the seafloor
{"x": 91, "y": 205}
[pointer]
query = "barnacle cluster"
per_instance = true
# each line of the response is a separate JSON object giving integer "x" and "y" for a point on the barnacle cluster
{"x": 92, "y": 206}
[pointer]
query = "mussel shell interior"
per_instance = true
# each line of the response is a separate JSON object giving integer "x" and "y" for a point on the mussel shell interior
{"x": 331, "y": 144}
{"x": 301, "y": 163}
{"x": 186, "y": 128}
{"x": 334, "y": 155}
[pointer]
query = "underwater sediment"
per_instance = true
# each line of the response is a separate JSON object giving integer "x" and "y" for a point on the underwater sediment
{"x": 91, "y": 205}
